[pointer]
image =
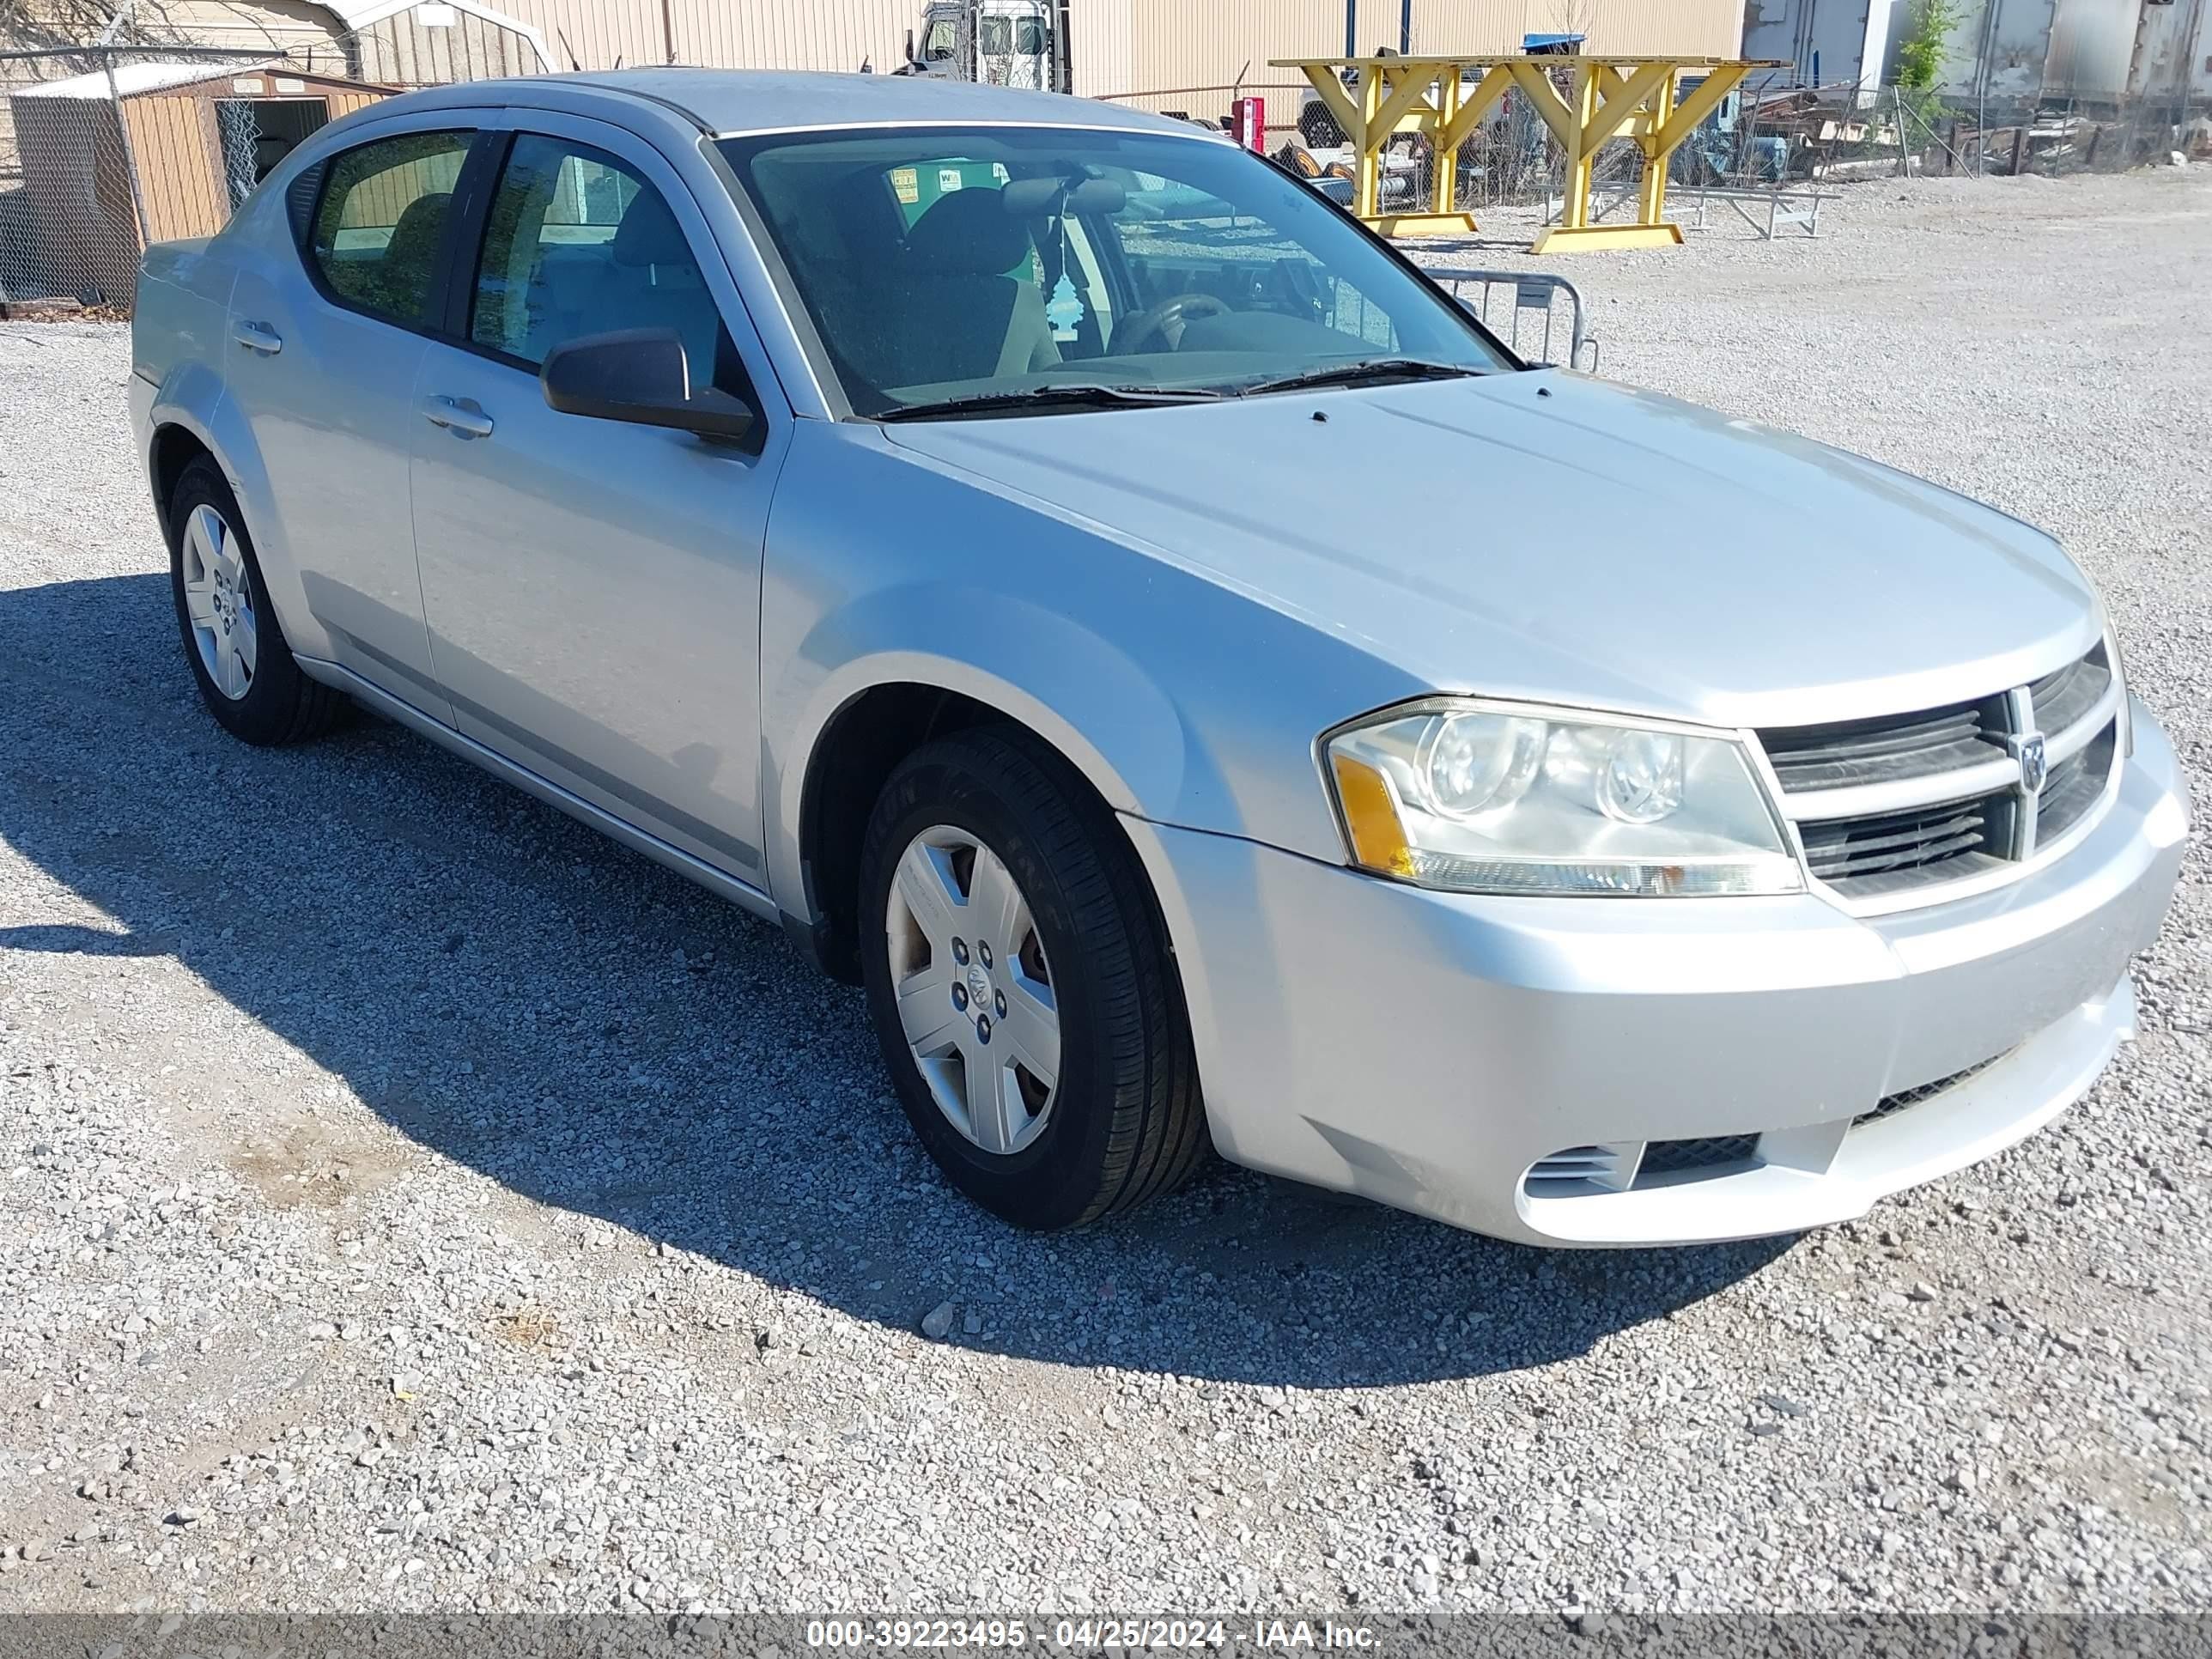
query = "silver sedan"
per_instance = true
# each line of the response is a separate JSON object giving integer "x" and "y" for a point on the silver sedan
{"x": 945, "y": 521}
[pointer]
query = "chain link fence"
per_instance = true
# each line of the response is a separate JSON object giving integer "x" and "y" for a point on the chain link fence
{"x": 104, "y": 149}
{"x": 1773, "y": 148}
{"x": 110, "y": 144}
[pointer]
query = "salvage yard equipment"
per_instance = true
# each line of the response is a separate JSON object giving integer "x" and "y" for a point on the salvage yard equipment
{"x": 1446, "y": 98}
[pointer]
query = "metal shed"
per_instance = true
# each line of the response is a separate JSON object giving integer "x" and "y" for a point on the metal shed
{"x": 150, "y": 153}
{"x": 426, "y": 43}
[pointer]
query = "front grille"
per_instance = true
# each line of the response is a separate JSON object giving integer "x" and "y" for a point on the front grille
{"x": 1831, "y": 756}
{"x": 2066, "y": 696}
{"x": 1712, "y": 1153}
{"x": 1905, "y": 1099}
{"x": 1842, "y": 848}
{"x": 1887, "y": 806}
{"x": 1572, "y": 1170}
{"x": 1625, "y": 1165}
{"x": 2076, "y": 785}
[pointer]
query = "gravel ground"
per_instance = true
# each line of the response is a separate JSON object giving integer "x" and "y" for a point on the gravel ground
{"x": 413, "y": 1201}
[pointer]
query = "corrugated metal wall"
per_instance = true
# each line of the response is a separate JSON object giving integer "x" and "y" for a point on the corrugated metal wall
{"x": 2171, "y": 44}
{"x": 597, "y": 34}
{"x": 402, "y": 50}
{"x": 1119, "y": 46}
{"x": 174, "y": 142}
{"x": 837, "y": 36}
{"x": 801, "y": 34}
{"x": 345, "y": 103}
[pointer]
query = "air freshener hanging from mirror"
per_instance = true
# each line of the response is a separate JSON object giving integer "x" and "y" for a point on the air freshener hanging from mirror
{"x": 1064, "y": 310}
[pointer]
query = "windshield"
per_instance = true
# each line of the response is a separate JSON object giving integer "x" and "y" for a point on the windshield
{"x": 940, "y": 264}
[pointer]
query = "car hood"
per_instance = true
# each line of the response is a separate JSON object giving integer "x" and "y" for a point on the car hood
{"x": 1547, "y": 535}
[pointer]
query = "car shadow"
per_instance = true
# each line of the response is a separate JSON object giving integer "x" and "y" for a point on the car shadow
{"x": 524, "y": 998}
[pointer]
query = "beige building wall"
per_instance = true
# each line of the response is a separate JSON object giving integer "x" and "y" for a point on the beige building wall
{"x": 839, "y": 35}
{"x": 402, "y": 50}
{"x": 799, "y": 34}
{"x": 271, "y": 26}
{"x": 594, "y": 34}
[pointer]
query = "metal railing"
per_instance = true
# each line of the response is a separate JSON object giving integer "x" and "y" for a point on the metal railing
{"x": 1533, "y": 315}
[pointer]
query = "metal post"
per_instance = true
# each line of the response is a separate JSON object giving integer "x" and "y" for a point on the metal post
{"x": 1443, "y": 186}
{"x": 1404, "y": 28}
{"x": 1991, "y": 8}
{"x": 130, "y": 156}
{"x": 1351, "y": 28}
{"x": 1652, "y": 189}
{"x": 1367, "y": 189}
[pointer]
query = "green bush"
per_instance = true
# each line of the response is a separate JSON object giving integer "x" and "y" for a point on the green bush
{"x": 1920, "y": 53}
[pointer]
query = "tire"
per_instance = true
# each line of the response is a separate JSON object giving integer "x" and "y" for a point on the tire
{"x": 1122, "y": 1121}
{"x": 1320, "y": 129}
{"x": 213, "y": 571}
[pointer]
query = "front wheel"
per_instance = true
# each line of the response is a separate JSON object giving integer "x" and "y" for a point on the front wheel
{"x": 1020, "y": 983}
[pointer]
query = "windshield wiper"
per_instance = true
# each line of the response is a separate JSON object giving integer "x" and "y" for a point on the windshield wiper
{"x": 1360, "y": 374}
{"x": 1038, "y": 399}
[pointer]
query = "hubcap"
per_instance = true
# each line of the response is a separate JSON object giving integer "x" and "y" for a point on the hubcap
{"x": 219, "y": 603}
{"x": 974, "y": 992}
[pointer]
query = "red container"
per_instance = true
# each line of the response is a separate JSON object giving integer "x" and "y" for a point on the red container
{"x": 1247, "y": 119}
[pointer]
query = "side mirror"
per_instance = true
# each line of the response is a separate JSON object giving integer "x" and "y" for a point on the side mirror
{"x": 639, "y": 375}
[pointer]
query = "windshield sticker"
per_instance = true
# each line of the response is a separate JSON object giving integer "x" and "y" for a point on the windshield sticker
{"x": 1064, "y": 310}
{"x": 906, "y": 185}
{"x": 948, "y": 179}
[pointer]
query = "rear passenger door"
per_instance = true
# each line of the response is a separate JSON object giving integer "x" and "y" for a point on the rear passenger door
{"x": 592, "y": 589}
{"x": 328, "y": 324}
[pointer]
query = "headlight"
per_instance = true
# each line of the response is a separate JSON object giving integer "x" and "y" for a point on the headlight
{"x": 1503, "y": 797}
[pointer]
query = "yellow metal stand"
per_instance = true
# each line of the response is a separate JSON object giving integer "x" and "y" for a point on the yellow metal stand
{"x": 1607, "y": 98}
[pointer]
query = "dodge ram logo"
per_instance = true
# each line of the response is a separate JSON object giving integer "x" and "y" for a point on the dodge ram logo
{"x": 2033, "y": 766}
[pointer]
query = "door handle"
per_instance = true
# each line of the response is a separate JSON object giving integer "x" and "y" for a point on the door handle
{"x": 458, "y": 416}
{"x": 257, "y": 337}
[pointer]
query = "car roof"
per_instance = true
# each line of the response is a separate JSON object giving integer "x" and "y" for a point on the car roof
{"x": 733, "y": 102}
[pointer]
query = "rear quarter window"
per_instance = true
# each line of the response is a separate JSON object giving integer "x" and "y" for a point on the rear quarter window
{"x": 380, "y": 223}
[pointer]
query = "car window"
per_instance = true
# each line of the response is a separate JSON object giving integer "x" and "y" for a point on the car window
{"x": 952, "y": 262}
{"x": 919, "y": 186}
{"x": 576, "y": 243}
{"x": 1177, "y": 238}
{"x": 381, "y": 222}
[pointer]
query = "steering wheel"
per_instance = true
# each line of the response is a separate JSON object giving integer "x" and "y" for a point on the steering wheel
{"x": 1171, "y": 313}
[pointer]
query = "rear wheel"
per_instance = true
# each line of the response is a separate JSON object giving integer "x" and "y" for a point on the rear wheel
{"x": 236, "y": 649}
{"x": 1020, "y": 984}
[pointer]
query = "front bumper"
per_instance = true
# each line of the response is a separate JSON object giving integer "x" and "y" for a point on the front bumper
{"x": 1424, "y": 1049}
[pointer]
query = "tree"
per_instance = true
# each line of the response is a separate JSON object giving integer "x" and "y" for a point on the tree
{"x": 1927, "y": 36}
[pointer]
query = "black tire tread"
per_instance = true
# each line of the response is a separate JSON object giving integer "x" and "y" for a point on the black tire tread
{"x": 1160, "y": 1149}
{"x": 1156, "y": 1139}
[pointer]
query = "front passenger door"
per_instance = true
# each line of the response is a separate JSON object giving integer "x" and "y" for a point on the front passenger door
{"x": 592, "y": 589}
